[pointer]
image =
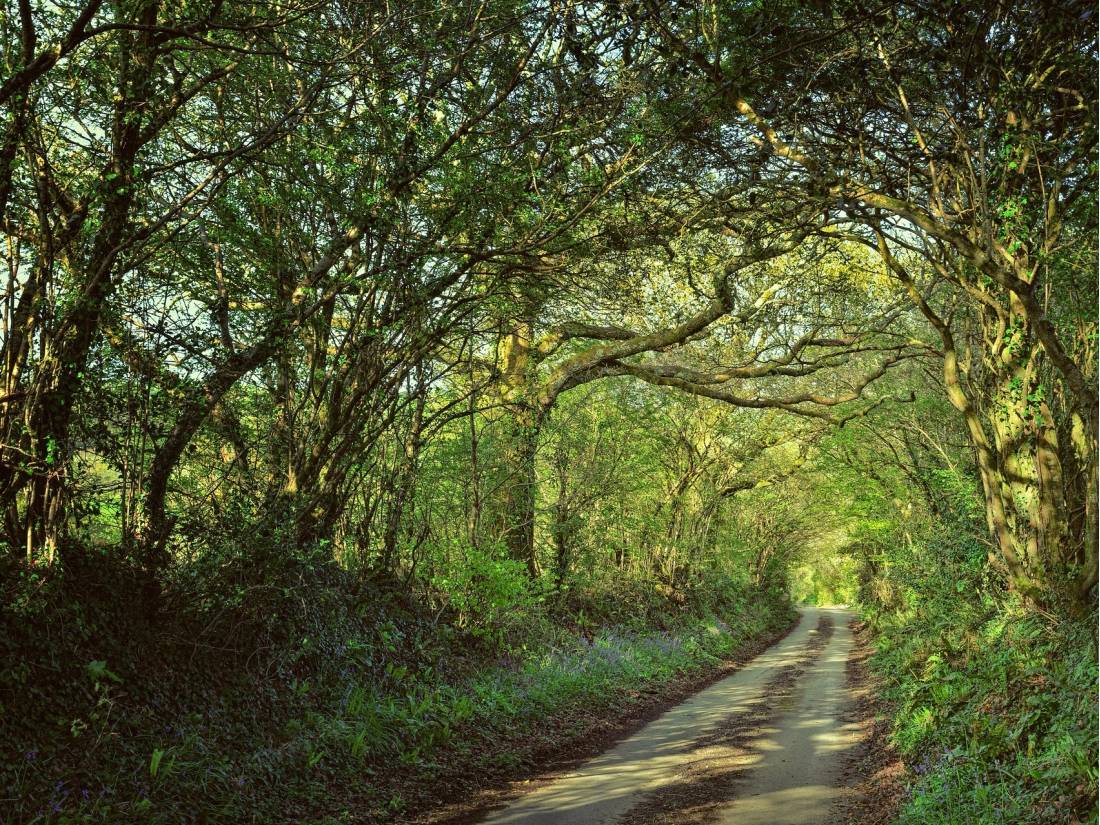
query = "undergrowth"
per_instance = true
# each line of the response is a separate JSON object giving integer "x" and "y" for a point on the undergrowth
{"x": 995, "y": 703}
{"x": 304, "y": 694}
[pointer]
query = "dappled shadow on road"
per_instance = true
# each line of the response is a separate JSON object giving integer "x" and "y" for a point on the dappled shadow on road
{"x": 579, "y": 755}
{"x": 607, "y": 787}
{"x": 873, "y": 769}
{"x": 717, "y": 761}
{"x": 761, "y": 749}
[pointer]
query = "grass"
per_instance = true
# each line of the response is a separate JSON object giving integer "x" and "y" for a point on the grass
{"x": 351, "y": 707}
{"x": 996, "y": 713}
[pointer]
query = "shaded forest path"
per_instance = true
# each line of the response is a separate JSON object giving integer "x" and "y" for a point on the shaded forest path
{"x": 765, "y": 746}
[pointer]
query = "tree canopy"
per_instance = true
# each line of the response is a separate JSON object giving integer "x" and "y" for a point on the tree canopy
{"x": 379, "y": 376}
{"x": 268, "y": 265}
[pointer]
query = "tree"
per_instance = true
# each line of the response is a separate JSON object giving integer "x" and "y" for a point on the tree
{"x": 106, "y": 154}
{"x": 961, "y": 137}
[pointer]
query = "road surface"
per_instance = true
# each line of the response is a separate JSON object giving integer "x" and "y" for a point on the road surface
{"x": 764, "y": 746}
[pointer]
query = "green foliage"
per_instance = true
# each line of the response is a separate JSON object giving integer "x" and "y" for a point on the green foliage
{"x": 996, "y": 710}
{"x": 489, "y": 593}
{"x": 337, "y": 432}
{"x": 995, "y": 704}
{"x": 350, "y": 685}
{"x": 994, "y": 701}
{"x": 825, "y": 580}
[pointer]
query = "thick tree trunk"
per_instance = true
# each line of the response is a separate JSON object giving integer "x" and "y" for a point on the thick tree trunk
{"x": 521, "y": 444}
{"x": 520, "y": 491}
{"x": 563, "y": 527}
{"x": 1015, "y": 440}
{"x": 406, "y": 481}
{"x": 47, "y": 405}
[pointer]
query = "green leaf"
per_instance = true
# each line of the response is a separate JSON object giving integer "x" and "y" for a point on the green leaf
{"x": 97, "y": 670}
{"x": 154, "y": 762}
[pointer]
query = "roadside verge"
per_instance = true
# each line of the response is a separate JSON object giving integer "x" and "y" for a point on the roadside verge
{"x": 471, "y": 780}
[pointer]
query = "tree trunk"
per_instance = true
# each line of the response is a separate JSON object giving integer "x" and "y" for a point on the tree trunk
{"x": 1014, "y": 435}
{"x": 520, "y": 490}
{"x": 47, "y": 408}
{"x": 406, "y": 481}
{"x": 521, "y": 445}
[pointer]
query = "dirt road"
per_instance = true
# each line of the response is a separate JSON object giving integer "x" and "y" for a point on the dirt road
{"x": 762, "y": 747}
